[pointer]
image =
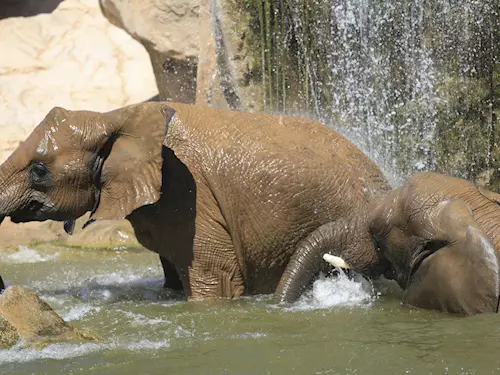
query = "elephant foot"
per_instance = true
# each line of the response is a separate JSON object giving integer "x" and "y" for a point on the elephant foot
{"x": 172, "y": 279}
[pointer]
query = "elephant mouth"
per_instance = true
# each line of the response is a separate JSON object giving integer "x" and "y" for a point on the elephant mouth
{"x": 33, "y": 211}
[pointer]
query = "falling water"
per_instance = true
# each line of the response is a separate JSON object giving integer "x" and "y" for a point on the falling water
{"x": 382, "y": 86}
{"x": 413, "y": 83}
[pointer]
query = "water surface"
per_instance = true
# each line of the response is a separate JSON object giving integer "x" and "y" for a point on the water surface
{"x": 340, "y": 327}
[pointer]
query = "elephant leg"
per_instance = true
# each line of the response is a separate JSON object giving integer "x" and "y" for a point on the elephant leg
{"x": 172, "y": 279}
{"x": 336, "y": 238}
{"x": 215, "y": 276}
{"x": 213, "y": 269}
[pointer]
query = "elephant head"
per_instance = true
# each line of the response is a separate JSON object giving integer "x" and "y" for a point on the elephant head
{"x": 439, "y": 234}
{"x": 79, "y": 161}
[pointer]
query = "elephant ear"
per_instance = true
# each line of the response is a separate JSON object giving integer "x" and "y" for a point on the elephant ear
{"x": 439, "y": 254}
{"x": 128, "y": 163}
{"x": 458, "y": 271}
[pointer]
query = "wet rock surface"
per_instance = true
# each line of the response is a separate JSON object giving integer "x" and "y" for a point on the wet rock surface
{"x": 23, "y": 315}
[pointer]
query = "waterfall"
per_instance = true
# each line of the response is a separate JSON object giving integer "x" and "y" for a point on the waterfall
{"x": 415, "y": 84}
{"x": 382, "y": 86}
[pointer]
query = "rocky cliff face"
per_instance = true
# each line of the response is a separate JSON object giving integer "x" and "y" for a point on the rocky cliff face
{"x": 72, "y": 57}
{"x": 169, "y": 32}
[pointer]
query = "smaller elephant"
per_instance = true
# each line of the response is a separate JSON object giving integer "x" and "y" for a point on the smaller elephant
{"x": 441, "y": 236}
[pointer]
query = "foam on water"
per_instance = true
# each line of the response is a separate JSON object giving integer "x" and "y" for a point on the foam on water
{"x": 113, "y": 278}
{"x": 335, "y": 291}
{"x": 65, "y": 350}
{"x": 78, "y": 312}
{"x": 27, "y": 255}
{"x": 139, "y": 319}
{"x": 249, "y": 335}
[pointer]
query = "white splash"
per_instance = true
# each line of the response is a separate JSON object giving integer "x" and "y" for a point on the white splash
{"x": 78, "y": 312}
{"x": 249, "y": 335}
{"x": 335, "y": 291}
{"x": 148, "y": 345}
{"x": 28, "y": 255}
{"x": 139, "y": 319}
{"x": 113, "y": 278}
{"x": 65, "y": 350}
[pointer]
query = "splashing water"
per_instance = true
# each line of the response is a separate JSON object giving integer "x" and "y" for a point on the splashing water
{"x": 27, "y": 255}
{"x": 371, "y": 60}
{"x": 335, "y": 291}
{"x": 64, "y": 351}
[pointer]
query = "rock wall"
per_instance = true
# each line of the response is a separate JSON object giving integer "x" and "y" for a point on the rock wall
{"x": 169, "y": 32}
{"x": 72, "y": 57}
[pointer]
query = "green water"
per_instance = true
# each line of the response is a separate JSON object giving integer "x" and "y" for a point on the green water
{"x": 336, "y": 329}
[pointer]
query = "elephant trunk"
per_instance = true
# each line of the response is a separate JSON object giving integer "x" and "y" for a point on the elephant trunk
{"x": 346, "y": 238}
{"x": 10, "y": 191}
{"x": 304, "y": 264}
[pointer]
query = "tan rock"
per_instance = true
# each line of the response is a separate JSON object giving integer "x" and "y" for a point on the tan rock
{"x": 8, "y": 334}
{"x": 33, "y": 319}
{"x": 72, "y": 58}
{"x": 169, "y": 32}
{"x": 101, "y": 234}
{"x": 198, "y": 49}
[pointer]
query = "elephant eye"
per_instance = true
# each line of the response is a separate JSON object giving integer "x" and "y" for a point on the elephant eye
{"x": 39, "y": 173}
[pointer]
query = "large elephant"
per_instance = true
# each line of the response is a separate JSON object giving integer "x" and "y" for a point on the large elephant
{"x": 441, "y": 235}
{"x": 223, "y": 197}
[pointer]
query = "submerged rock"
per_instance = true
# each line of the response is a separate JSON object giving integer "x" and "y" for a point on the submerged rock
{"x": 101, "y": 234}
{"x": 23, "y": 315}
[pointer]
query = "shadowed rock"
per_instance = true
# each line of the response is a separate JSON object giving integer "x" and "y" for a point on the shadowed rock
{"x": 8, "y": 334}
{"x": 23, "y": 315}
{"x": 169, "y": 31}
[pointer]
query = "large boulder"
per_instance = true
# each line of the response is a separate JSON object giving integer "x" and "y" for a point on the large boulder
{"x": 169, "y": 32}
{"x": 23, "y": 315}
{"x": 72, "y": 57}
{"x": 207, "y": 52}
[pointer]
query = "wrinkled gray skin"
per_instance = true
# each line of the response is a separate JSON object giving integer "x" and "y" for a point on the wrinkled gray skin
{"x": 225, "y": 198}
{"x": 441, "y": 235}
